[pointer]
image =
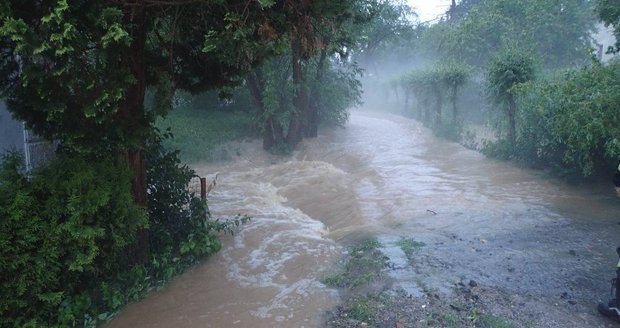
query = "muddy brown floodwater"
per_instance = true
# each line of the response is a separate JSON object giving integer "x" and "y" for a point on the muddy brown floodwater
{"x": 546, "y": 245}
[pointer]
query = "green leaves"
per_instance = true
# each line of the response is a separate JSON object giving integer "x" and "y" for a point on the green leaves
{"x": 210, "y": 43}
{"x": 559, "y": 32}
{"x": 57, "y": 13}
{"x": 115, "y": 34}
{"x": 266, "y": 3}
{"x": 60, "y": 230}
{"x": 505, "y": 71}
{"x": 571, "y": 122}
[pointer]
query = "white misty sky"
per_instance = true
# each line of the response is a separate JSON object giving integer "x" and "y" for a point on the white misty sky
{"x": 429, "y": 9}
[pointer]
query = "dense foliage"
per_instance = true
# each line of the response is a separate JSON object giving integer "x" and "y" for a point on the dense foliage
{"x": 609, "y": 12}
{"x": 507, "y": 70}
{"x": 557, "y": 32}
{"x": 333, "y": 89}
{"x": 66, "y": 230}
{"x": 532, "y": 78}
{"x": 78, "y": 71}
{"x": 571, "y": 122}
{"x": 431, "y": 87}
{"x": 63, "y": 230}
{"x": 311, "y": 79}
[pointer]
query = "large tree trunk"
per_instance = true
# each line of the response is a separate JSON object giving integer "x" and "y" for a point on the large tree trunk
{"x": 300, "y": 101}
{"x": 312, "y": 119}
{"x": 135, "y": 124}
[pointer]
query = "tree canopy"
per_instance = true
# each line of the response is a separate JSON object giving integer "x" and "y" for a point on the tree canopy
{"x": 557, "y": 32}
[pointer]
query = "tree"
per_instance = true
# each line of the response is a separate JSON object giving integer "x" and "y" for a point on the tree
{"x": 507, "y": 70}
{"x": 78, "y": 71}
{"x": 333, "y": 92}
{"x": 288, "y": 91}
{"x": 454, "y": 76}
{"x": 559, "y": 32}
{"x": 386, "y": 35}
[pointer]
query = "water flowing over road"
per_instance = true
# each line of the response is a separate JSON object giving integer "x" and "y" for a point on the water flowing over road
{"x": 549, "y": 246}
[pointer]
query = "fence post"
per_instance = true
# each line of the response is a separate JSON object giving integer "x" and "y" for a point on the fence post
{"x": 203, "y": 189}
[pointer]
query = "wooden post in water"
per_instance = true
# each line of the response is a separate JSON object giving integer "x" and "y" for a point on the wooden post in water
{"x": 203, "y": 189}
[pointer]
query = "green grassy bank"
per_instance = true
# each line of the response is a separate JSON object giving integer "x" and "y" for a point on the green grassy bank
{"x": 199, "y": 134}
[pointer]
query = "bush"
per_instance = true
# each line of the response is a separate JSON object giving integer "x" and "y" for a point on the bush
{"x": 571, "y": 123}
{"x": 179, "y": 224}
{"x": 65, "y": 232}
{"x": 60, "y": 232}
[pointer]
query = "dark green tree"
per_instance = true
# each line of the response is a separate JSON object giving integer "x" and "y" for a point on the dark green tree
{"x": 387, "y": 35}
{"x": 321, "y": 32}
{"x": 559, "y": 32}
{"x": 454, "y": 76}
{"x": 77, "y": 71}
{"x": 507, "y": 70}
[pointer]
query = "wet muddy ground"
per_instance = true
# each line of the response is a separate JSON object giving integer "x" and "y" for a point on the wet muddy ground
{"x": 418, "y": 289}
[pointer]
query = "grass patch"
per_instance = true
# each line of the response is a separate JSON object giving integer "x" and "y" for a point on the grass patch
{"x": 363, "y": 266}
{"x": 409, "y": 246}
{"x": 200, "y": 134}
{"x": 491, "y": 321}
{"x": 367, "y": 245}
{"x": 488, "y": 320}
{"x": 450, "y": 320}
{"x": 362, "y": 309}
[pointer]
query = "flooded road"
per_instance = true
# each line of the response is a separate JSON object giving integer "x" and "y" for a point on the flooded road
{"x": 549, "y": 244}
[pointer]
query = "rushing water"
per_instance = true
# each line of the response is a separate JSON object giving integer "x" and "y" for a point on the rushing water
{"x": 510, "y": 228}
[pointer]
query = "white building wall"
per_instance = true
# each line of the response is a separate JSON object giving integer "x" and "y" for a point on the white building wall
{"x": 603, "y": 39}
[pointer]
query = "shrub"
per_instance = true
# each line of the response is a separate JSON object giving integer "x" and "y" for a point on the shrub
{"x": 179, "y": 219}
{"x": 65, "y": 232}
{"x": 571, "y": 123}
{"x": 60, "y": 232}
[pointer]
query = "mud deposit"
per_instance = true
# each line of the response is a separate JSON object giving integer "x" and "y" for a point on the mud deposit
{"x": 464, "y": 241}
